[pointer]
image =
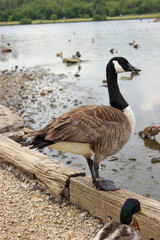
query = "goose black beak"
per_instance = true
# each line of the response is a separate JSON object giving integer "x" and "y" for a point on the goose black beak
{"x": 131, "y": 68}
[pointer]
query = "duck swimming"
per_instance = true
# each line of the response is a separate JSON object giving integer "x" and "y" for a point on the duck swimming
{"x": 149, "y": 131}
{"x": 94, "y": 131}
{"x": 128, "y": 228}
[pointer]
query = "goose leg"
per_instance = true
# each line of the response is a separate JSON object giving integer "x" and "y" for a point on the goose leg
{"x": 101, "y": 183}
{"x": 91, "y": 167}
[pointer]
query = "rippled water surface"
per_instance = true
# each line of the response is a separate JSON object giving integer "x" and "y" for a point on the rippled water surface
{"x": 36, "y": 46}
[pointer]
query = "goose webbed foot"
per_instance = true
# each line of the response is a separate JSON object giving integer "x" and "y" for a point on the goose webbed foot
{"x": 99, "y": 183}
{"x": 105, "y": 185}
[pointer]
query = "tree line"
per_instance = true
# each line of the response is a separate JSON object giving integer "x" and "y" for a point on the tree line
{"x": 16, "y": 10}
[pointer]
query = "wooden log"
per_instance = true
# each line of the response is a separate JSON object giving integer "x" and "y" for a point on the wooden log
{"x": 106, "y": 205}
{"x": 52, "y": 172}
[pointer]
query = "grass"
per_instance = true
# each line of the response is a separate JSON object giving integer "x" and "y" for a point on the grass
{"x": 125, "y": 17}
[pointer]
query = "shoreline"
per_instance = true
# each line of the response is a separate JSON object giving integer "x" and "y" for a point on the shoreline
{"x": 75, "y": 20}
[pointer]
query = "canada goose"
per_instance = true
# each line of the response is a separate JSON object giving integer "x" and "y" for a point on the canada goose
{"x": 92, "y": 130}
{"x": 77, "y": 55}
{"x": 132, "y": 43}
{"x": 5, "y": 48}
{"x": 113, "y": 50}
{"x": 136, "y": 46}
{"x": 122, "y": 230}
{"x": 149, "y": 131}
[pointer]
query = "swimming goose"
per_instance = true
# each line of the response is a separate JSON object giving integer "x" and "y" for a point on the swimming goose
{"x": 122, "y": 230}
{"x": 77, "y": 55}
{"x": 94, "y": 131}
{"x": 132, "y": 43}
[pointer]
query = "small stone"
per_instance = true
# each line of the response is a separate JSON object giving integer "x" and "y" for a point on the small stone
{"x": 132, "y": 159}
{"x": 114, "y": 170}
{"x": 49, "y": 91}
{"x": 151, "y": 154}
{"x": 42, "y": 93}
{"x": 113, "y": 159}
{"x": 82, "y": 215}
{"x": 103, "y": 166}
{"x": 69, "y": 162}
{"x": 155, "y": 160}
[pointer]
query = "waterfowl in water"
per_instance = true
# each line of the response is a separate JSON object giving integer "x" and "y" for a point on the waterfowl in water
{"x": 5, "y": 47}
{"x": 149, "y": 131}
{"x": 113, "y": 50}
{"x": 132, "y": 43}
{"x": 128, "y": 228}
{"x": 77, "y": 55}
{"x": 60, "y": 55}
{"x": 93, "y": 130}
{"x": 136, "y": 46}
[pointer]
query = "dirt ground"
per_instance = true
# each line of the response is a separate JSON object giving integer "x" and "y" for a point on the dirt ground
{"x": 28, "y": 213}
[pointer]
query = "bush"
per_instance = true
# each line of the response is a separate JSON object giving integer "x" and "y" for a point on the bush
{"x": 86, "y": 16}
{"x": 26, "y": 21}
{"x": 53, "y": 17}
{"x": 98, "y": 17}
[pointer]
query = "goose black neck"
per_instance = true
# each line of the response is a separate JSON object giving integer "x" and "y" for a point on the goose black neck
{"x": 115, "y": 96}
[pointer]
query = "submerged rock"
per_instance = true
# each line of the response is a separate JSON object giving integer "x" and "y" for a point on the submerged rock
{"x": 155, "y": 160}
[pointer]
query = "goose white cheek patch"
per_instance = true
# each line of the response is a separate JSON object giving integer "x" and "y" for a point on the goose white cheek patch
{"x": 118, "y": 67}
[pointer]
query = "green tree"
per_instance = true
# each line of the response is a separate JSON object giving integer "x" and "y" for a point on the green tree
{"x": 15, "y": 10}
{"x": 53, "y": 17}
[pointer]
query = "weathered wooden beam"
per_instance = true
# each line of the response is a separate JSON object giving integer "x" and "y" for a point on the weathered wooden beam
{"x": 52, "y": 172}
{"x": 106, "y": 205}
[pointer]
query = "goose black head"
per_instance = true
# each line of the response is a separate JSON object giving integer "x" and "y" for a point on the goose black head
{"x": 120, "y": 64}
{"x": 129, "y": 208}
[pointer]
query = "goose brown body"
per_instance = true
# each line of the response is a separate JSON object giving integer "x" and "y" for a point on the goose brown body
{"x": 104, "y": 129}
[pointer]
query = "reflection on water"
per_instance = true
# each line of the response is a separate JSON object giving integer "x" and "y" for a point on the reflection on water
{"x": 151, "y": 144}
{"x": 36, "y": 46}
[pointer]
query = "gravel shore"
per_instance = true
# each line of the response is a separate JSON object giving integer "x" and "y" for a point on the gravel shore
{"x": 28, "y": 213}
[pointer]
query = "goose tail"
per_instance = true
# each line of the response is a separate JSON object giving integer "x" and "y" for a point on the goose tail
{"x": 38, "y": 141}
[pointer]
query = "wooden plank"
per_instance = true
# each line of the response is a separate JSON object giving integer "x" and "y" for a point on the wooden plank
{"x": 52, "y": 172}
{"x": 106, "y": 205}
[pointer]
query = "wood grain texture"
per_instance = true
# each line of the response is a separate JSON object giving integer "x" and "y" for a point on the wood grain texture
{"x": 52, "y": 172}
{"x": 106, "y": 205}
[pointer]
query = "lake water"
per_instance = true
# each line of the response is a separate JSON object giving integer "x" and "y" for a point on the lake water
{"x": 36, "y": 46}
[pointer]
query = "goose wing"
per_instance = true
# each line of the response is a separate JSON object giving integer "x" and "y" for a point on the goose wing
{"x": 84, "y": 124}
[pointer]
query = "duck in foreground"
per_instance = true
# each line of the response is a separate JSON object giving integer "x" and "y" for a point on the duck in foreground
{"x": 128, "y": 228}
{"x": 94, "y": 131}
